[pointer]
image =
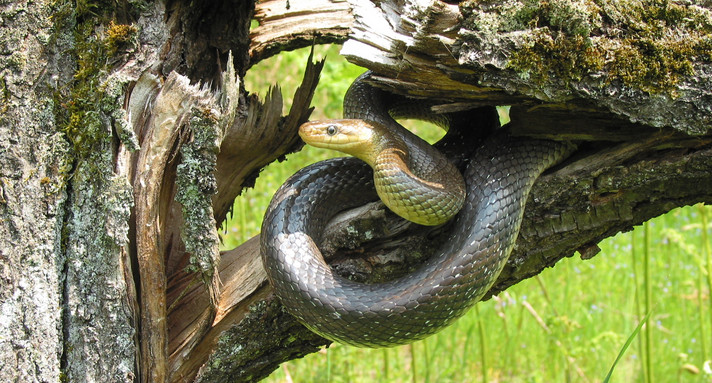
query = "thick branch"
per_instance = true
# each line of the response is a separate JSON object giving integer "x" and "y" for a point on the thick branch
{"x": 548, "y": 54}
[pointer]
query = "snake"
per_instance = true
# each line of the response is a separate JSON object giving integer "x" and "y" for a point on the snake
{"x": 483, "y": 208}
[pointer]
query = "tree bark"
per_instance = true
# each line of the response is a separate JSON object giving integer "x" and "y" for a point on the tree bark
{"x": 127, "y": 135}
{"x": 32, "y": 200}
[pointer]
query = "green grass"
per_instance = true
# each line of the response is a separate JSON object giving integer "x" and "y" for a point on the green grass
{"x": 569, "y": 324}
{"x": 626, "y": 345}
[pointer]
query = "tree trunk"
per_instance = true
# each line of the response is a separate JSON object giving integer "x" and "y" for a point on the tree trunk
{"x": 127, "y": 135}
{"x": 33, "y": 158}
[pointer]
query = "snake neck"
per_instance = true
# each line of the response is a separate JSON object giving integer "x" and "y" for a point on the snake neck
{"x": 428, "y": 192}
{"x": 412, "y": 178}
{"x": 382, "y": 142}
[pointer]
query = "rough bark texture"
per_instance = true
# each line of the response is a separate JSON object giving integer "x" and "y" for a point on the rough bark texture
{"x": 32, "y": 199}
{"x": 126, "y": 135}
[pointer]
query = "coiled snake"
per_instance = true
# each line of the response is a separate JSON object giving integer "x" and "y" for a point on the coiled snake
{"x": 498, "y": 179}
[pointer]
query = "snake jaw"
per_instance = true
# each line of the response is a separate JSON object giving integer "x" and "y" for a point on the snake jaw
{"x": 358, "y": 138}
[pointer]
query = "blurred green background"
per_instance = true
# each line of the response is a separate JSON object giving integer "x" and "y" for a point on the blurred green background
{"x": 566, "y": 325}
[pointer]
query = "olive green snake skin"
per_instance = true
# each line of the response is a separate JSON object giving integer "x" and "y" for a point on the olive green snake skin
{"x": 498, "y": 179}
{"x": 411, "y": 177}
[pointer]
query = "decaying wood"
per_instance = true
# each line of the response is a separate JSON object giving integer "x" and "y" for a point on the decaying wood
{"x": 160, "y": 136}
{"x": 452, "y": 52}
{"x": 288, "y": 25}
{"x": 251, "y": 140}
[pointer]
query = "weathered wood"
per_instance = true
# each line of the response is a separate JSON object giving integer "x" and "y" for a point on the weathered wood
{"x": 290, "y": 25}
{"x": 475, "y": 52}
{"x": 174, "y": 106}
{"x": 251, "y": 141}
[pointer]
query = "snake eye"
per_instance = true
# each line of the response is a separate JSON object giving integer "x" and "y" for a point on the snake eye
{"x": 331, "y": 130}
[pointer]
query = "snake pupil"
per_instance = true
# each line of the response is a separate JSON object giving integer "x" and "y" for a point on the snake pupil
{"x": 331, "y": 130}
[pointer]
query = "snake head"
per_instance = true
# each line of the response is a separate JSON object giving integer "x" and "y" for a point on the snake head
{"x": 359, "y": 138}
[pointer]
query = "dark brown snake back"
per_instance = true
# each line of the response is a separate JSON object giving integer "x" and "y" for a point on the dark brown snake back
{"x": 498, "y": 177}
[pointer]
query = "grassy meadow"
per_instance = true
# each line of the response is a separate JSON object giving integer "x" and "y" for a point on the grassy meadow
{"x": 568, "y": 324}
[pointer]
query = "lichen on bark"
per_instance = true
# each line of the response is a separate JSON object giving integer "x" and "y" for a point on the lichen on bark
{"x": 196, "y": 184}
{"x": 95, "y": 51}
{"x": 98, "y": 323}
{"x": 250, "y": 350}
{"x": 649, "y": 44}
{"x": 654, "y": 53}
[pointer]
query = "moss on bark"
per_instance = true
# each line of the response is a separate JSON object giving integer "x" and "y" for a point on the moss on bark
{"x": 645, "y": 44}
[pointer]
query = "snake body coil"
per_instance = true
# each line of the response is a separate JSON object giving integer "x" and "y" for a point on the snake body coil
{"x": 498, "y": 179}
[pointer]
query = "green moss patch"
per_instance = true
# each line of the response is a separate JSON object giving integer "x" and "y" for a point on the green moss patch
{"x": 89, "y": 98}
{"x": 646, "y": 44}
{"x": 565, "y": 57}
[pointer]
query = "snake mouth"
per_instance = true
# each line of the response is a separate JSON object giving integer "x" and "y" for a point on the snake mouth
{"x": 350, "y": 136}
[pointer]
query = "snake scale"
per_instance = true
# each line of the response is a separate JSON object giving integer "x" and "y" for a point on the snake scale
{"x": 498, "y": 179}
